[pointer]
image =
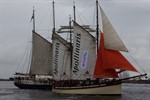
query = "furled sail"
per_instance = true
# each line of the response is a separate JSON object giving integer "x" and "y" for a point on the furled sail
{"x": 84, "y": 56}
{"x": 61, "y": 58}
{"x": 108, "y": 61}
{"x": 41, "y": 56}
{"x": 111, "y": 39}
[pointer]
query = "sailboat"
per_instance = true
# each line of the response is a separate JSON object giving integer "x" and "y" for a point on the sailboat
{"x": 40, "y": 72}
{"x": 88, "y": 65}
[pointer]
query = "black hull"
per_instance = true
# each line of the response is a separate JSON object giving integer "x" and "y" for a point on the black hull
{"x": 33, "y": 86}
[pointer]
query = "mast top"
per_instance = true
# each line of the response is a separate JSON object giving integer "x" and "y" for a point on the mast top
{"x": 33, "y": 17}
{"x": 53, "y": 17}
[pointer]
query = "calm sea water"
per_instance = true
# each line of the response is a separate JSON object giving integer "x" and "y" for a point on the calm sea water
{"x": 129, "y": 92}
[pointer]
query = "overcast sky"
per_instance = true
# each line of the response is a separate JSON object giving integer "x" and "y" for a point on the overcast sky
{"x": 131, "y": 19}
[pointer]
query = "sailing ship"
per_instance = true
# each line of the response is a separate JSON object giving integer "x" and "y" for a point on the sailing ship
{"x": 88, "y": 65}
{"x": 40, "y": 72}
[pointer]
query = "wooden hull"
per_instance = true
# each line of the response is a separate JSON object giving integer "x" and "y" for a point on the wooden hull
{"x": 29, "y": 84}
{"x": 114, "y": 89}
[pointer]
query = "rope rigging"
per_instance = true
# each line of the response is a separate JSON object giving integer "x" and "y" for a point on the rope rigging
{"x": 23, "y": 60}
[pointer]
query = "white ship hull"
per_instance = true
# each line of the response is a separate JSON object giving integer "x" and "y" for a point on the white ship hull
{"x": 95, "y": 89}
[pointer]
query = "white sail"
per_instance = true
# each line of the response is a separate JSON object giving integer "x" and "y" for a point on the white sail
{"x": 61, "y": 58}
{"x": 41, "y": 56}
{"x": 84, "y": 54}
{"x": 111, "y": 39}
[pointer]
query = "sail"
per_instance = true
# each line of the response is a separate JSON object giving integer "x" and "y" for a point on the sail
{"x": 84, "y": 54}
{"x": 111, "y": 39}
{"x": 108, "y": 61}
{"x": 41, "y": 56}
{"x": 61, "y": 58}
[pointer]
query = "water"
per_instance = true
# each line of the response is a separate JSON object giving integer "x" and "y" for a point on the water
{"x": 129, "y": 92}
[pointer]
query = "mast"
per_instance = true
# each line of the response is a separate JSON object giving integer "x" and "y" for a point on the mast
{"x": 33, "y": 17}
{"x": 53, "y": 17}
{"x": 74, "y": 11}
{"x": 70, "y": 29}
{"x": 70, "y": 45}
{"x": 97, "y": 24}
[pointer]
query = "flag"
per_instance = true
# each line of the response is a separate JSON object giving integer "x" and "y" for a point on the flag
{"x": 32, "y": 17}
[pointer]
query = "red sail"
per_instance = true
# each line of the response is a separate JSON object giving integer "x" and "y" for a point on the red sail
{"x": 109, "y": 60}
{"x": 105, "y": 73}
{"x": 99, "y": 71}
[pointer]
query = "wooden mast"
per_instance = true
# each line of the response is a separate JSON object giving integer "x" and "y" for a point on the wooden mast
{"x": 97, "y": 24}
{"x": 74, "y": 11}
{"x": 53, "y": 18}
{"x": 33, "y": 17}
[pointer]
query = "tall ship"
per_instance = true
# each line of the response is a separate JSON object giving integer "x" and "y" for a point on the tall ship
{"x": 39, "y": 75}
{"x": 88, "y": 64}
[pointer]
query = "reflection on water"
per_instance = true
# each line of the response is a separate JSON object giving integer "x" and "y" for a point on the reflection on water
{"x": 129, "y": 92}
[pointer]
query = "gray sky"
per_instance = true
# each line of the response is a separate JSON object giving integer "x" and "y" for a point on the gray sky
{"x": 131, "y": 19}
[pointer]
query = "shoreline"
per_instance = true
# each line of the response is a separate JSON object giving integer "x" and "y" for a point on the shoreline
{"x": 6, "y": 80}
